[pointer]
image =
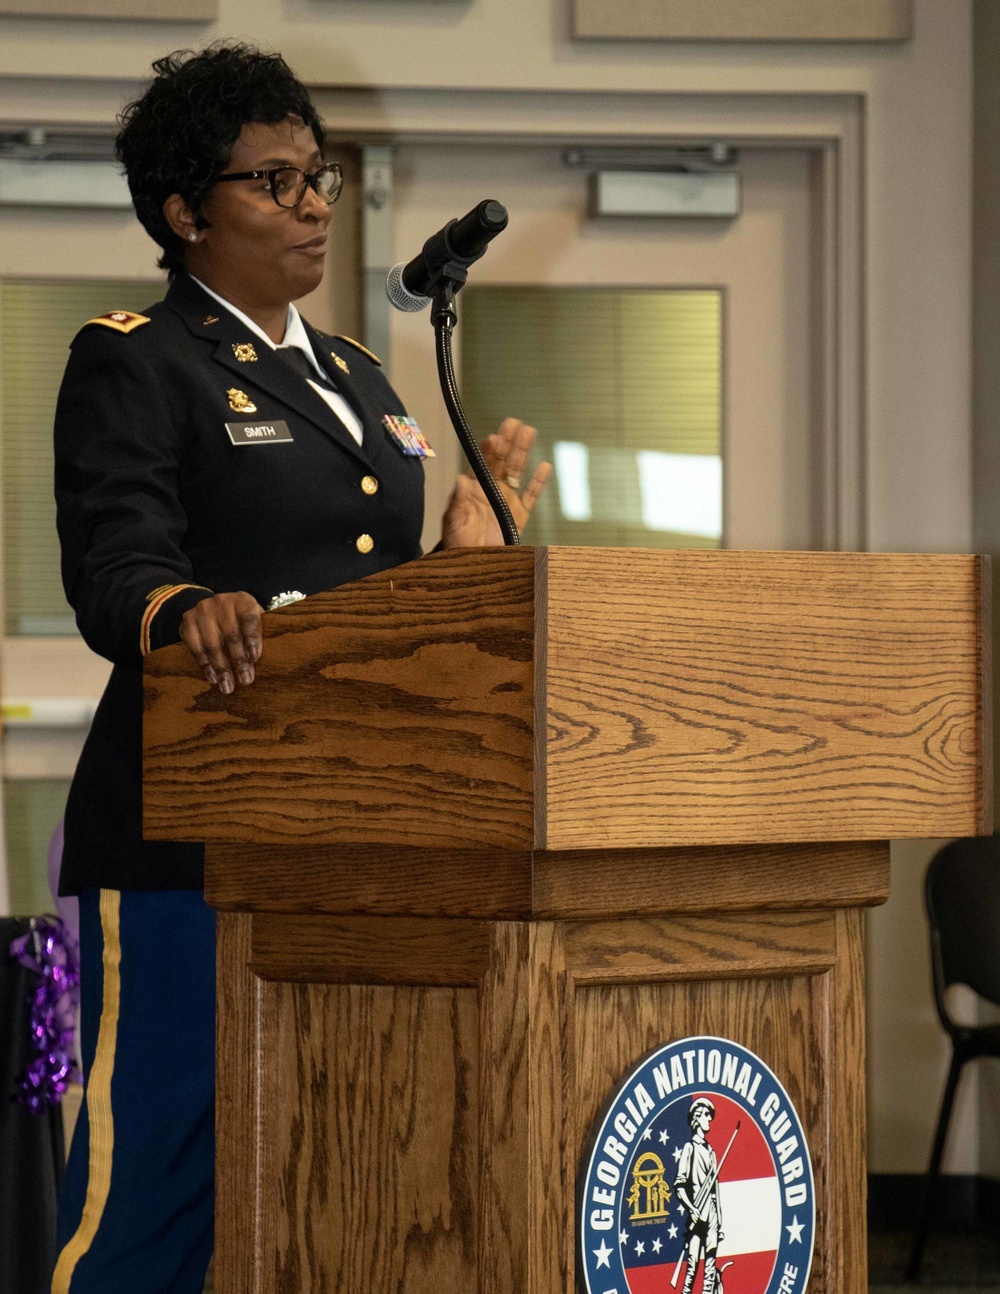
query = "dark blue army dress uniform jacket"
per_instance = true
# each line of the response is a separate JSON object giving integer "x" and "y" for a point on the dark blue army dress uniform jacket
{"x": 158, "y": 508}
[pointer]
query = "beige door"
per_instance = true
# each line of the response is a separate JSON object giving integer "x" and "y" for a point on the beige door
{"x": 759, "y": 260}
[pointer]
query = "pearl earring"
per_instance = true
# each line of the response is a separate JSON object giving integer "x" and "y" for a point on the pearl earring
{"x": 192, "y": 238}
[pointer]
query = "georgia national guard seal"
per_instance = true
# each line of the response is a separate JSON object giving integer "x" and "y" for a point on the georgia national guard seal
{"x": 697, "y": 1179}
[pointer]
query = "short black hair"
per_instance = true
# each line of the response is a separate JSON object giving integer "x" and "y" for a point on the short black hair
{"x": 179, "y": 135}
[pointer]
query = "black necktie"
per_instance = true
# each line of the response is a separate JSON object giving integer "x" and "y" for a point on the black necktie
{"x": 296, "y": 360}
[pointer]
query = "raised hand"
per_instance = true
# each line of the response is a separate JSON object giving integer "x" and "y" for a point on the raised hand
{"x": 468, "y": 520}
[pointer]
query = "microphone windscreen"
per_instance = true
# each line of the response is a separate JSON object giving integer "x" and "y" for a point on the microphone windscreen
{"x": 399, "y": 295}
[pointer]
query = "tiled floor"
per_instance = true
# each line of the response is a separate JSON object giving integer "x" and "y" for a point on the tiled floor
{"x": 953, "y": 1264}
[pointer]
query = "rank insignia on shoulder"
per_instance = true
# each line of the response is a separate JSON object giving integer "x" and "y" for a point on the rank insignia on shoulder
{"x": 240, "y": 402}
{"x": 244, "y": 352}
{"x": 357, "y": 346}
{"x": 409, "y": 439}
{"x": 118, "y": 321}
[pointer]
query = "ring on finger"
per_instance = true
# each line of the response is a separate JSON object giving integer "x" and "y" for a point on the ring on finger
{"x": 513, "y": 480}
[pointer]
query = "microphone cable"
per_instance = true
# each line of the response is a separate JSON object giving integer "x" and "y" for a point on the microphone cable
{"x": 435, "y": 276}
{"x": 444, "y": 320}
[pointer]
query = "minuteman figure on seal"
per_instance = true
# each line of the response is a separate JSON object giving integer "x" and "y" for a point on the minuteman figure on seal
{"x": 697, "y": 1187}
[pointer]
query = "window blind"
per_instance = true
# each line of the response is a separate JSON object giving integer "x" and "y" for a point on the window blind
{"x": 625, "y": 388}
{"x": 31, "y": 810}
{"x": 38, "y": 320}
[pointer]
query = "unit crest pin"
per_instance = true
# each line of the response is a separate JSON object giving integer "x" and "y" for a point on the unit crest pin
{"x": 240, "y": 402}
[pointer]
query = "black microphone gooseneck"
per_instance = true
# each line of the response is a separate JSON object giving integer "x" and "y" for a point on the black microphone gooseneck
{"x": 436, "y": 275}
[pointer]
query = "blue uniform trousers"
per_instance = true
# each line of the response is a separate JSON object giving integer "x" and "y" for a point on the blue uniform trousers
{"x": 136, "y": 1208}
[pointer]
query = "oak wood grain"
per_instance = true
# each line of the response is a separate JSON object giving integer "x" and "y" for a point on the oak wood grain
{"x": 239, "y": 1171}
{"x": 724, "y": 697}
{"x": 374, "y": 1122}
{"x": 616, "y": 1025}
{"x": 417, "y": 1137}
{"x": 369, "y": 950}
{"x": 398, "y": 709}
{"x": 422, "y": 1008}
{"x": 736, "y": 878}
{"x": 551, "y": 1178}
{"x": 690, "y": 698}
{"x": 506, "y": 1145}
{"x": 781, "y": 1019}
{"x": 650, "y": 949}
{"x": 541, "y": 721}
{"x": 807, "y": 1025}
{"x": 381, "y": 880}
{"x": 847, "y": 1250}
{"x": 986, "y": 789}
{"x": 504, "y": 885}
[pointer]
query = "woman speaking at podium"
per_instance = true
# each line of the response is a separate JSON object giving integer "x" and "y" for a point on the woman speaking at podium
{"x": 212, "y": 455}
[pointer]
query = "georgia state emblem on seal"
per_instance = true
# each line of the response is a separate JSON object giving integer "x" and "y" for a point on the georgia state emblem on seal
{"x": 697, "y": 1179}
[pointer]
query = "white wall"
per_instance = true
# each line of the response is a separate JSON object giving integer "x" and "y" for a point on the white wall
{"x": 918, "y": 132}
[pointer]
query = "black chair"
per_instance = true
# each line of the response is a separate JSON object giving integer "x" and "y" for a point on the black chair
{"x": 962, "y": 891}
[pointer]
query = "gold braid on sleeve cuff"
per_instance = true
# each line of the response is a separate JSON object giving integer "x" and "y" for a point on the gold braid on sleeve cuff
{"x": 156, "y": 600}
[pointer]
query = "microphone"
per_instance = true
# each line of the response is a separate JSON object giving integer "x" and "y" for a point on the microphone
{"x": 460, "y": 243}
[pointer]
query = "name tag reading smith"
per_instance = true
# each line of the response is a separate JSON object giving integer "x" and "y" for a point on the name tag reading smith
{"x": 258, "y": 433}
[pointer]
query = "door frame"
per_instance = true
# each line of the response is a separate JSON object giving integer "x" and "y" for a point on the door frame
{"x": 829, "y": 126}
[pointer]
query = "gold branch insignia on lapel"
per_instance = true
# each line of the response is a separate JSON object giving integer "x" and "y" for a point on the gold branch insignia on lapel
{"x": 240, "y": 402}
{"x": 340, "y": 363}
{"x": 209, "y": 319}
{"x": 244, "y": 352}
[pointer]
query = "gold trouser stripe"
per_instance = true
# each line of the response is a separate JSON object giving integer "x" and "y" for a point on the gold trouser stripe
{"x": 102, "y": 1127}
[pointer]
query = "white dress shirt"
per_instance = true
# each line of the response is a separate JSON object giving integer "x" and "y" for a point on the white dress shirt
{"x": 296, "y": 335}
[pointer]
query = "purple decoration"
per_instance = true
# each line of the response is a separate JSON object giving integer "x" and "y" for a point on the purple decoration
{"x": 49, "y": 951}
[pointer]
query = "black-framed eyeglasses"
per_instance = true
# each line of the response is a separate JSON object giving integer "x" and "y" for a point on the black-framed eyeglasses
{"x": 288, "y": 184}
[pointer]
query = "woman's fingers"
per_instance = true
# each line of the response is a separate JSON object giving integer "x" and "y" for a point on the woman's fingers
{"x": 469, "y": 519}
{"x": 243, "y": 636}
{"x": 520, "y": 437}
{"x": 506, "y": 450}
{"x": 191, "y": 635}
{"x": 232, "y": 636}
{"x": 250, "y": 613}
{"x": 212, "y": 657}
{"x": 535, "y": 486}
{"x": 224, "y": 635}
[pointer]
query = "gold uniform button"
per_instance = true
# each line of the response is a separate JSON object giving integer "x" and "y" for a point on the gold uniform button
{"x": 369, "y": 484}
{"x": 364, "y": 543}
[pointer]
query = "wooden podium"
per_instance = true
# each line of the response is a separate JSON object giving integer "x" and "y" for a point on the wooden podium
{"x": 491, "y": 826}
